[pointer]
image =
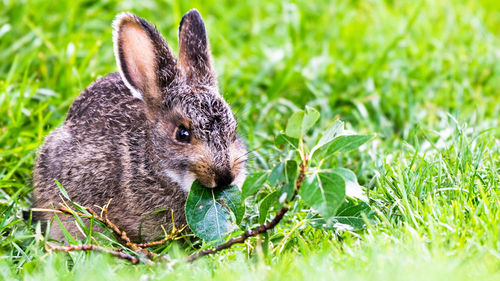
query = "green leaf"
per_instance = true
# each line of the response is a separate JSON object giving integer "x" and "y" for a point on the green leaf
{"x": 6, "y": 215}
{"x": 283, "y": 177}
{"x": 69, "y": 238}
{"x": 265, "y": 205}
{"x": 310, "y": 118}
{"x": 348, "y": 143}
{"x": 232, "y": 197}
{"x": 281, "y": 140}
{"x": 213, "y": 214}
{"x": 277, "y": 174}
{"x": 77, "y": 207}
{"x": 65, "y": 194}
{"x": 350, "y": 223}
{"x": 352, "y": 188}
{"x": 62, "y": 189}
{"x": 294, "y": 126}
{"x": 349, "y": 216}
{"x": 324, "y": 192}
{"x": 253, "y": 183}
{"x": 350, "y": 209}
{"x": 331, "y": 133}
{"x": 291, "y": 172}
{"x": 301, "y": 121}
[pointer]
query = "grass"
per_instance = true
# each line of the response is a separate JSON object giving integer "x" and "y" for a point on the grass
{"x": 424, "y": 76}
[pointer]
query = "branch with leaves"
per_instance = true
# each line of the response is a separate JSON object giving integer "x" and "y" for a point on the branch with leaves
{"x": 213, "y": 215}
{"x": 257, "y": 230}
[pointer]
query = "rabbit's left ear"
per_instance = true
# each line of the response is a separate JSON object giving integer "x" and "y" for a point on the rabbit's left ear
{"x": 144, "y": 59}
{"x": 194, "y": 52}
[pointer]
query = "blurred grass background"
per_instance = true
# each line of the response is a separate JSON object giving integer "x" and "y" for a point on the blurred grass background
{"x": 424, "y": 76}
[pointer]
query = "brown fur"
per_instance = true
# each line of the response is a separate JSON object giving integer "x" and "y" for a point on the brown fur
{"x": 119, "y": 138}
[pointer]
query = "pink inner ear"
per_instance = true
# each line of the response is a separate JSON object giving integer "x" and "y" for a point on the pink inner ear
{"x": 139, "y": 56}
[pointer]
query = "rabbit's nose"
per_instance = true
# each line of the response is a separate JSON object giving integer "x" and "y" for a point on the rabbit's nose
{"x": 224, "y": 178}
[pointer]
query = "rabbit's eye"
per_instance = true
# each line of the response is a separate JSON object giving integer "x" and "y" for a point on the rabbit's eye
{"x": 183, "y": 134}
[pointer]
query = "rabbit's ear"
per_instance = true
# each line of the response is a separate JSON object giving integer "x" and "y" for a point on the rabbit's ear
{"x": 194, "y": 53}
{"x": 144, "y": 59}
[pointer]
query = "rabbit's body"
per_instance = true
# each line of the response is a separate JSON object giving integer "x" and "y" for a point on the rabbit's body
{"x": 141, "y": 137}
{"x": 95, "y": 168}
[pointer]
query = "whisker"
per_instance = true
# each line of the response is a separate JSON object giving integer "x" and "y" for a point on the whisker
{"x": 244, "y": 160}
{"x": 245, "y": 154}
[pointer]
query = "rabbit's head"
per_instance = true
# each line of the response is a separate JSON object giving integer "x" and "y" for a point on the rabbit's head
{"x": 192, "y": 130}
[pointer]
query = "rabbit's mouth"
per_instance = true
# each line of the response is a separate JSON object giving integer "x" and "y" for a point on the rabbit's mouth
{"x": 219, "y": 176}
{"x": 214, "y": 179}
{"x": 185, "y": 179}
{"x": 225, "y": 178}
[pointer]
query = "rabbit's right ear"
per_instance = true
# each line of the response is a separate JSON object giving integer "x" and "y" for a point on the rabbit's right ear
{"x": 144, "y": 59}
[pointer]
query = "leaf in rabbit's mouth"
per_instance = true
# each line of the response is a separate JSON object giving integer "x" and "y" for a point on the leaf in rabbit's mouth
{"x": 213, "y": 213}
{"x": 215, "y": 188}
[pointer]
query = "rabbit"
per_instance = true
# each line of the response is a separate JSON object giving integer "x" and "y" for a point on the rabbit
{"x": 142, "y": 136}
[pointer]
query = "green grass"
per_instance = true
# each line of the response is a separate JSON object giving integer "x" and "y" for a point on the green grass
{"x": 424, "y": 76}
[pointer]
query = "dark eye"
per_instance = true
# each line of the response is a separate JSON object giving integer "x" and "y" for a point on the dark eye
{"x": 183, "y": 134}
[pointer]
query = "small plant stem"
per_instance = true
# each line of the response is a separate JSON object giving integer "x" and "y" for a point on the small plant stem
{"x": 95, "y": 248}
{"x": 138, "y": 248}
{"x": 302, "y": 154}
{"x": 241, "y": 239}
{"x": 287, "y": 236}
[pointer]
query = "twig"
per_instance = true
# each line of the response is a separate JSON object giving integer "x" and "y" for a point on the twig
{"x": 91, "y": 247}
{"x": 287, "y": 236}
{"x": 138, "y": 248}
{"x": 241, "y": 239}
{"x": 260, "y": 229}
{"x": 174, "y": 234}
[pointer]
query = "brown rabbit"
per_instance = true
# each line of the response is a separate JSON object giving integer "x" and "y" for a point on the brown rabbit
{"x": 142, "y": 136}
